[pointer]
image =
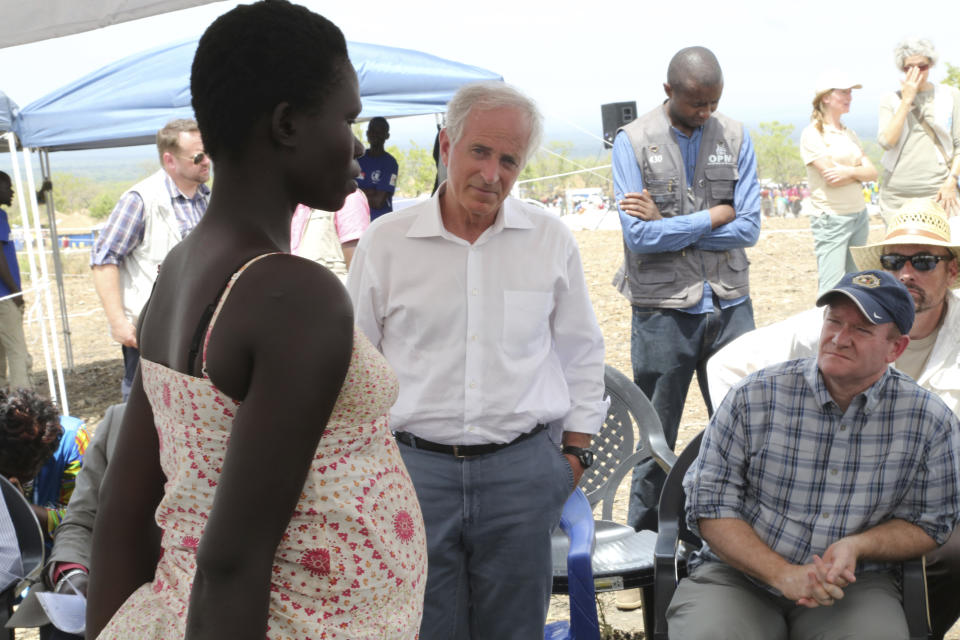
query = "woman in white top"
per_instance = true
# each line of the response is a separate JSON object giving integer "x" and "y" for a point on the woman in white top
{"x": 836, "y": 167}
{"x": 919, "y": 129}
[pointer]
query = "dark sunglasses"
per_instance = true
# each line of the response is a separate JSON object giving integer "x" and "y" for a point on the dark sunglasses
{"x": 197, "y": 159}
{"x": 920, "y": 67}
{"x": 920, "y": 261}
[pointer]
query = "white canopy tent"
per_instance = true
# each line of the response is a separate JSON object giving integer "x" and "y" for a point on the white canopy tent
{"x": 25, "y": 22}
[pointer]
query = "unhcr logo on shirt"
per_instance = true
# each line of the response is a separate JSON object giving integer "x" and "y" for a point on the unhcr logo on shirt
{"x": 721, "y": 155}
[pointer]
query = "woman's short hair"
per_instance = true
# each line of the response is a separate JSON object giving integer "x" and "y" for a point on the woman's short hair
{"x": 914, "y": 47}
{"x": 30, "y": 432}
{"x": 486, "y": 96}
{"x": 254, "y": 57}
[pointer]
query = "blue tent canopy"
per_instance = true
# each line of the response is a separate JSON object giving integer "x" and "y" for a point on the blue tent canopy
{"x": 8, "y": 111}
{"x": 126, "y": 102}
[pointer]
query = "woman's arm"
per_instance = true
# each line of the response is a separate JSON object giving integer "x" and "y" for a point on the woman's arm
{"x": 126, "y": 539}
{"x": 890, "y": 132}
{"x": 291, "y": 322}
{"x": 838, "y": 175}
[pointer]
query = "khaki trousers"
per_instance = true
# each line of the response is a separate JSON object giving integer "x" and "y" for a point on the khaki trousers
{"x": 717, "y": 602}
{"x": 13, "y": 347}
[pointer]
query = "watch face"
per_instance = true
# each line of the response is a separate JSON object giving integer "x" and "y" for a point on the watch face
{"x": 587, "y": 458}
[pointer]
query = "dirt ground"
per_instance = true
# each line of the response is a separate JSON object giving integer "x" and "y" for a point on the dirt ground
{"x": 783, "y": 278}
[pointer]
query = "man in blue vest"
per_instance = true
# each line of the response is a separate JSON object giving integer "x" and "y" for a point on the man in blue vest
{"x": 686, "y": 181}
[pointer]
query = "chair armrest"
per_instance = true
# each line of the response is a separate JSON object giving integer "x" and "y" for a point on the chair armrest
{"x": 915, "y": 599}
{"x": 608, "y": 493}
{"x": 577, "y": 522}
{"x": 664, "y": 574}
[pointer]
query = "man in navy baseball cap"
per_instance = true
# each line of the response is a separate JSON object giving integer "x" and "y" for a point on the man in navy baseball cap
{"x": 878, "y": 295}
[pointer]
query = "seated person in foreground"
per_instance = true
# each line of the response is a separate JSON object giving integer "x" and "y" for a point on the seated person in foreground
{"x": 40, "y": 452}
{"x": 918, "y": 251}
{"x": 814, "y": 478}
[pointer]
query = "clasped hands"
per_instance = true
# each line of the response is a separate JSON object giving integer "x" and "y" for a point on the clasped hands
{"x": 821, "y": 582}
{"x": 642, "y": 206}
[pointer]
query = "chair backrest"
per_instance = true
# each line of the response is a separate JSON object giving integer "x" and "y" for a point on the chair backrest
{"x": 26, "y": 527}
{"x": 672, "y": 529}
{"x": 616, "y": 453}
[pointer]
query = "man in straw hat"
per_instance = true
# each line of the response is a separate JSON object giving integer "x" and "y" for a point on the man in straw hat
{"x": 918, "y": 249}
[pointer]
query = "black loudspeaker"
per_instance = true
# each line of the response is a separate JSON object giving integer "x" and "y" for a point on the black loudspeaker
{"x": 614, "y": 116}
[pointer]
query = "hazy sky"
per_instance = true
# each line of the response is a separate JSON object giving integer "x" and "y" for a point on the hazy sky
{"x": 574, "y": 56}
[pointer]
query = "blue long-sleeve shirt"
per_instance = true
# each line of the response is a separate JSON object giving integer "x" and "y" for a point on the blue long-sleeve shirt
{"x": 680, "y": 232}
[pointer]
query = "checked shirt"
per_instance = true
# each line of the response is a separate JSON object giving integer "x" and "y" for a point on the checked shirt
{"x": 780, "y": 455}
{"x": 124, "y": 230}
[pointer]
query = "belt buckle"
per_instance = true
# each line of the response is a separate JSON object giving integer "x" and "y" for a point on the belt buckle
{"x": 456, "y": 451}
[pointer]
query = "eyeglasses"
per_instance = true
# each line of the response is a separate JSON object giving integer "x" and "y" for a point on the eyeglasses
{"x": 919, "y": 67}
{"x": 920, "y": 261}
{"x": 197, "y": 158}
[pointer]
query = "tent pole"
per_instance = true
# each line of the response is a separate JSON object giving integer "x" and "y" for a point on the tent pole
{"x": 46, "y": 306}
{"x": 31, "y": 235}
{"x": 57, "y": 263}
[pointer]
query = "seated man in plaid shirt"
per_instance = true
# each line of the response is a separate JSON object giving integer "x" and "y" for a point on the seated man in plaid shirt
{"x": 817, "y": 475}
{"x": 150, "y": 218}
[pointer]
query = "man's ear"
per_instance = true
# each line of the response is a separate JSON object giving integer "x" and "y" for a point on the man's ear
{"x": 283, "y": 127}
{"x": 444, "y": 147}
{"x": 899, "y": 346}
{"x": 667, "y": 89}
{"x": 169, "y": 164}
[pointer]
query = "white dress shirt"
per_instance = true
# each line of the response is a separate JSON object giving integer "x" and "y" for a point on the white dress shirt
{"x": 487, "y": 339}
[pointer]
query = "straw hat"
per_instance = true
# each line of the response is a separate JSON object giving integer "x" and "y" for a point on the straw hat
{"x": 920, "y": 221}
{"x": 835, "y": 79}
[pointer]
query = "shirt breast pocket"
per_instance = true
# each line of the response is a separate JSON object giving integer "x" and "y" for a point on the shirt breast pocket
{"x": 526, "y": 322}
{"x": 663, "y": 191}
{"x": 721, "y": 182}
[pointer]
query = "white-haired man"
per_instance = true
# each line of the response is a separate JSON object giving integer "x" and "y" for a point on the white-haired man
{"x": 919, "y": 251}
{"x": 493, "y": 343}
{"x": 148, "y": 221}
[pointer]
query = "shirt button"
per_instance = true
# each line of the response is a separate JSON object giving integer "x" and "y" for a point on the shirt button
{"x": 843, "y": 427}
{"x": 825, "y": 515}
{"x": 473, "y": 338}
{"x": 833, "y": 472}
{"x": 473, "y": 385}
{"x": 474, "y": 291}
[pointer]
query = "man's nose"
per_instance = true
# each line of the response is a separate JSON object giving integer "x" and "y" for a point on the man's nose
{"x": 490, "y": 170}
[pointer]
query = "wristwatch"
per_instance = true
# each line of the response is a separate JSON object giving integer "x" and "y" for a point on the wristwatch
{"x": 585, "y": 456}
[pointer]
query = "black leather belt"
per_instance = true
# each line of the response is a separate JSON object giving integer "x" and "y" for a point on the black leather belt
{"x": 462, "y": 450}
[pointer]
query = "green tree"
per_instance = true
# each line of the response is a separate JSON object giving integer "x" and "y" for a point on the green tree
{"x": 953, "y": 76}
{"x": 416, "y": 170}
{"x": 778, "y": 156}
{"x": 72, "y": 193}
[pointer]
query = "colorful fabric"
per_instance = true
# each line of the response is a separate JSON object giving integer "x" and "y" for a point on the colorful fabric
{"x": 54, "y": 485}
{"x": 124, "y": 229}
{"x": 352, "y": 563}
{"x": 780, "y": 455}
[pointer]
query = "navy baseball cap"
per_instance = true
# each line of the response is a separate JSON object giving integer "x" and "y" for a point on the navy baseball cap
{"x": 879, "y": 296}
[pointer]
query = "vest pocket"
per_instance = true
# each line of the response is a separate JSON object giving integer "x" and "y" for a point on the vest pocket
{"x": 664, "y": 192}
{"x": 732, "y": 269}
{"x": 721, "y": 182}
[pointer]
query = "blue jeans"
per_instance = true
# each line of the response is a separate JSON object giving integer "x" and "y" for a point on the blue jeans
{"x": 488, "y": 523}
{"x": 666, "y": 347}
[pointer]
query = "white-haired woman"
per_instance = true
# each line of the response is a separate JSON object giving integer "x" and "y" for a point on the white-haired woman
{"x": 836, "y": 167}
{"x": 919, "y": 129}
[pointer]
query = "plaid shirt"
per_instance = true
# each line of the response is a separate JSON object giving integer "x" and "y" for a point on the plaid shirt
{"x": 780, "y": 455}
{"x": 124, "y": 229}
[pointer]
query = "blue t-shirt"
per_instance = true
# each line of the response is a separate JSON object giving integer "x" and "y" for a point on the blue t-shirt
{"x": 380, "y": 173}
{"x": 9, "y": 253}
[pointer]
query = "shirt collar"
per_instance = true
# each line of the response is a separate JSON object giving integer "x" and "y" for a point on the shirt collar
{"x": 430, "y": 224}
{"x": 202, "y": 190}
{"x": 868, "y": 399}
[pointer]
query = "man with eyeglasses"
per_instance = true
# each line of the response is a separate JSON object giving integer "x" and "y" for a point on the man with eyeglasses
{"x": 919, "y": 251}
{"x": 148, "y": 221}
